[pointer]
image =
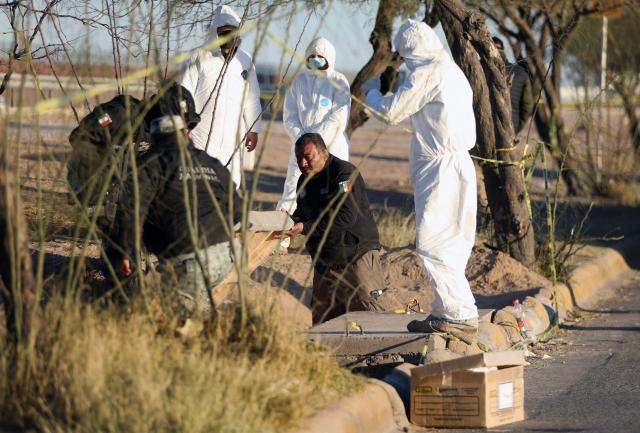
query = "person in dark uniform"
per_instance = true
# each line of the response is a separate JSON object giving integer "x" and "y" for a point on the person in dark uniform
{"x": 520, "y": 87}
{"x": 100, "y": 144}
{"x": 342, "y": 237}
{"x": 187, "y": 208}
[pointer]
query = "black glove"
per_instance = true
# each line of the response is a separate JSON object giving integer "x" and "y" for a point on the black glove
{"x": 388, "y": 79}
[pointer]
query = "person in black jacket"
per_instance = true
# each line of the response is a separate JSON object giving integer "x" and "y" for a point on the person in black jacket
{"x": 520, "y": 89}
{"x": 342, "y": 237}
{"x": 187, "y": 208}
{"x": 100, "y": 144}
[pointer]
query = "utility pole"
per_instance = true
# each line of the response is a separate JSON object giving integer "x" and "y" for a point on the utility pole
{"x": 603, "y": 89}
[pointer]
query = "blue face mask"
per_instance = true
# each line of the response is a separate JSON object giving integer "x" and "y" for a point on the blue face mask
{"x": 317, "y": 62}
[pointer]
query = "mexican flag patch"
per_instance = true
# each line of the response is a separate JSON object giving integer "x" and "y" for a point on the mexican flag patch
{"x": 105, "y": 120}
{"x": 345, "y": 186}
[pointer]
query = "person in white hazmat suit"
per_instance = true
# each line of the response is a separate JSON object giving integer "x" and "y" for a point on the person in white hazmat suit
{"x": 228, "y": 100}
{"x": 318, "y": 101}
{"x": 437, "y": 97}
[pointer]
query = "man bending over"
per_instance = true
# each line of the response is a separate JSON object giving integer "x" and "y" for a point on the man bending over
{"x": 187, "y": 208}
{"x": 342, "y": 237}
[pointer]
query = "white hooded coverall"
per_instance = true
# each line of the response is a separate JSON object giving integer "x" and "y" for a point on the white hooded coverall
{"x": 237, "y": 109}
{"x": 317, "y": 101}
{"x": 437, "y": 97}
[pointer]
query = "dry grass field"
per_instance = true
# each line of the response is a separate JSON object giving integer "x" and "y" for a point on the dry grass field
{"x": 108, "y": 359}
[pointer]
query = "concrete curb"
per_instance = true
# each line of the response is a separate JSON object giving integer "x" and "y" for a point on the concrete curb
{"x": 378, "y": 408}
{"x": 582, "y": 285}
{"x": 586, "y": 279}
{"x": 375, "y": 409}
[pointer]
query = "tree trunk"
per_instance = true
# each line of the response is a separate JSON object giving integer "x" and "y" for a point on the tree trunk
{"x": 555, "y": 142}
{"x": 628, "y": 101}
{"x": 550, "y": 125}
{"x": 16, "y": 278}
{"x": 382, "y": 57}
{"x": 476, "y": 55}
{"x": 561, "y": 144}
{"x": 550, "y": 122}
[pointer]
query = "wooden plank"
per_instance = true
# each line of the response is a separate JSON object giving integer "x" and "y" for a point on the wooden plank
{"x": 259, "y": 246}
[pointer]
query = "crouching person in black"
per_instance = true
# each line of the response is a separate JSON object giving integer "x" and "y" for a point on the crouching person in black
{"x": 187, "y": 209}
{"x": 333, "y": 211}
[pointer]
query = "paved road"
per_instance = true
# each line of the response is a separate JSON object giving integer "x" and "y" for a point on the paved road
{"x": 591, "y": 382}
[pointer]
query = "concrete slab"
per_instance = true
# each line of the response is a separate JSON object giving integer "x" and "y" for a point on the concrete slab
{"x": 381, "y": 337}
{"x": 365, "y": 337}
{"x": 269, "y": 221}
{"x": 370, "y": 322}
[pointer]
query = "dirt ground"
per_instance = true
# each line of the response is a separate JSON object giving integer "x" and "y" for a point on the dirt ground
{"x": 495, "y": 278}
{"x": 381, "y": 153}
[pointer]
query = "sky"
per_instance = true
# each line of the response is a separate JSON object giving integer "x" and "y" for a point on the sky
{"x": 347, "y": 26}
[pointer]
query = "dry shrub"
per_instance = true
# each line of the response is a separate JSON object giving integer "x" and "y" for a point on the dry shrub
{"x": 626, "y": 193}
{"x": 397, "y": 228}
{"x": 50, "y": 217}
{"x": 485, "y": 228}
{"x": 107, "y": 370}
{"x": 557, "y": 250}
{"x": 120, "y": 366}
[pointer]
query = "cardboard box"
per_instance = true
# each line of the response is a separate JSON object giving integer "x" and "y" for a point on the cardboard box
{"x": 484, "y": 390}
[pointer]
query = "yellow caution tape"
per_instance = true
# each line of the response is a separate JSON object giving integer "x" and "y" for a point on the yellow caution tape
{"x": 334, "y": 83}
{"x": 48, "y": 104}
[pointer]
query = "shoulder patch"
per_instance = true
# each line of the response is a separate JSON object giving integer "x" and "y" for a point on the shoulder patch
{"x": 345, "y": 186}
{"x": 105, "y": 120}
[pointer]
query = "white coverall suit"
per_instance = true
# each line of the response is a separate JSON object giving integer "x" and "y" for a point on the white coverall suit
{"x": 317, "y": 101}
{"x": 237, "y": 109}
{"x": 437, "y": 97}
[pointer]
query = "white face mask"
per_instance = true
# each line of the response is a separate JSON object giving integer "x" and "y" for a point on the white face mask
{"x": 317, "y": 62}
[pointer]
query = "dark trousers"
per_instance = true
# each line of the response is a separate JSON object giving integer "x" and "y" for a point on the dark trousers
{"x": 339, "y": 290}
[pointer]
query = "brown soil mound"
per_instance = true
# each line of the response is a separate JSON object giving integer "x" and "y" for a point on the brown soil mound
{"x": 492, "y": 274}
{"x": 495, "y": 278}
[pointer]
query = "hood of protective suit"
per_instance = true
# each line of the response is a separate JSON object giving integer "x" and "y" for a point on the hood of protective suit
{"x": 324, "y": 48}
{"x": 418, "y": 43}
{"x": 223, "y": 16}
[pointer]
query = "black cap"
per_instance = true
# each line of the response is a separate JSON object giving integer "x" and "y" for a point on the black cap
{"x": 176, "y": 101}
